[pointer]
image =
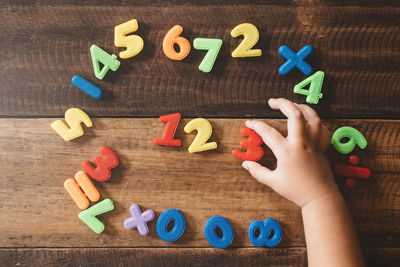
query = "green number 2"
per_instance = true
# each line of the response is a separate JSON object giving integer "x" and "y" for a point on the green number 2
{"x": 213, "y": 46}
{"x": 110, "y": 62}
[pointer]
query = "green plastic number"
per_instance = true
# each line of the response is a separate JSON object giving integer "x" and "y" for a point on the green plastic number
{"x": 213, "y": 46}
{"x": 89, "y": 216}
{"x": 110, "y": 62}
{"x": 314, "y": 91}
{"x": 355, "y": 137}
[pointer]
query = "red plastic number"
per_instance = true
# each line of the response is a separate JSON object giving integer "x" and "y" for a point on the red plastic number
{"x": 167, "y": 138}
{"x": 102, "y": 172}
{"x": 253, "y": 144}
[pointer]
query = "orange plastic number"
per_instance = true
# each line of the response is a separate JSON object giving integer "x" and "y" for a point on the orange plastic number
{"x": 253, "y": 144}
{"x": 75, "y": 188}
{"x": 172, "y": 38}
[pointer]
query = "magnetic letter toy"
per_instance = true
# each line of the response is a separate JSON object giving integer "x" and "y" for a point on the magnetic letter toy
{"x": 355, "y": 137}
{"x": 266, "y": 229}
{"x": 314, "y": 91}
{"x": 102, "y": 172}
{"x": 74, "y": 117}
{"x": 89, "y": 216}
{"x": 139, "y": 220}
{"x": 167, "y": 138}
{"x": 164, "y": 220}
{"x": 295, "y": 60}
{"x": 252, "y": 144}
{"x": 226, "y": 228}
{"x": 87, "y": 87}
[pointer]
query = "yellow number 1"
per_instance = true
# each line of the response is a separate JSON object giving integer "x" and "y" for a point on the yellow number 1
{"x": 133, "y": 43}
{"x": 204, "y": 131}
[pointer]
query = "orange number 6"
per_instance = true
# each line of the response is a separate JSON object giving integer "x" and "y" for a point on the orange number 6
{"x": 172, "y": 38}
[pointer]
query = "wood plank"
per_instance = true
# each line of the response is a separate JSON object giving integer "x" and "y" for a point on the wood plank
{"x": 177, "y": 257}
{"x": 36, "y": 211}
{"x": 45, "y": 43}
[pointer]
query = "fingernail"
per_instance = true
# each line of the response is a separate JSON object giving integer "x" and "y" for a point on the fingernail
{"x": 245, "y": 166}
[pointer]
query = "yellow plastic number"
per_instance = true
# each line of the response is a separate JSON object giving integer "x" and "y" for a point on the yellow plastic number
{"x": 133, "y": 43}
{"x": 73, "y": 117}
{"x": 204, "y": 131}
{"x": 250, "y": 38}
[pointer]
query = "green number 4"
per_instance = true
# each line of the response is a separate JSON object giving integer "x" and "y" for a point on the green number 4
{"x": 110, "y": 62}
{"x": 213, "y": 46}
{"x": 314, "y": 91}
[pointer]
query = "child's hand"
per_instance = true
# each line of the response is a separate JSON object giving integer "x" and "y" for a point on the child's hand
{"x": 303, "y": 173}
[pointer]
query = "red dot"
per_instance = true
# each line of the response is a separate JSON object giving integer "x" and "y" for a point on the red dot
{"x": 354, "y": 160}
{"x": 350, "y": 183}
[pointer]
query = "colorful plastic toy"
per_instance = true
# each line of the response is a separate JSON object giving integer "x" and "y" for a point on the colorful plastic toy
{"x": 355, "y": 138}
{"x": 266, "y": 229}
{"x": 352, "y": 172}
{"x": 204, "y": 132}
{"x": 75, "y": 188}
{"x": 139, "y": 220}
{"x": 133, "y": 43}
{"x": 110, "y": 62}
{"x": 250, "y": 38}
{"x": 226, "y": 228}
{"x": 295, "y": 60}
{"x": 314, "y": 91}
{"x": 213, "y": 46}
{"x": 171, "y": 38}
{"x": 102, "y": 172}
{"x": 74, "y": 117}
{"x": 87, "y": 87}
{"x": 252, "y": 144}
{"x": 179, "y": 225}
{"x": 167, "y": 138}
{"x": 89, "y": 216}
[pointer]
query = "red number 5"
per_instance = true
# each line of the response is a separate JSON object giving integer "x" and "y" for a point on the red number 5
{"x": 102, "y": 172}
{"x": 253, "y": 144}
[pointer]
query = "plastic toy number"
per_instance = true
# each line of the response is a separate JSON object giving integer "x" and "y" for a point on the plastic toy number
{"x": 167, "y": 138}
{"x": 250, "y": 38}
{"x": 172, "y": 38}
{"x": 133, "y": 43}
{"x": 89, "y": 216}
{"x": 164, "y": 220}
{"x": 314, "y": 91}
{"x": 102, "y": 172}
{"x": 355, "y": 138}
{"x": 75, "y": 188}
{"x": 204, "y": 132}
{"x": 270, "y": 233}
{"x": 73, "y": 117}
{"x": 213, "y": 46}
{"x": 110, "y": 62}
{"x": 254, "y": 150}
{"x": 226, "y": 228}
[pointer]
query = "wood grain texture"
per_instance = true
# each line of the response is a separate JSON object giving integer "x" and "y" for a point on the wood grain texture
{"x": 36, "y": 211}
{"x": 45, "y": 43}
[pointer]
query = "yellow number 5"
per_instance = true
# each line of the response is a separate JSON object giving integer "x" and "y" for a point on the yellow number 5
{"x": 133, "y": 43}
{"x": 250, "y": 38}
{"x": 73, "y": 117}
{"x": 204, "y": 131}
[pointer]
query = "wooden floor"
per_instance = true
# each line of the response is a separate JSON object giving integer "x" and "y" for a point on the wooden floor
{"x": 44, "y": 43}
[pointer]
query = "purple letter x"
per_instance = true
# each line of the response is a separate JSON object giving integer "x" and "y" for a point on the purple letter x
{"x": 139, "y": 219}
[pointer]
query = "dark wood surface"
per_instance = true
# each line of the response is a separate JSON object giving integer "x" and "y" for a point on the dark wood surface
{"x": 44, "y": 43}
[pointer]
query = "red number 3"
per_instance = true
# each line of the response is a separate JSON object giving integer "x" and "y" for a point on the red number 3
{"x": 102, "y": 172}
{"x": 253, "y": 144}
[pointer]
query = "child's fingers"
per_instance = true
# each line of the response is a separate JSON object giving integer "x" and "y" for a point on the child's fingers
{"x": 271, "y": 137}
{"x": 325, "y": 139}
{"x": 313, "y": 121}
{"x": 260, "y": 173}
{"x": 294, "y": 115}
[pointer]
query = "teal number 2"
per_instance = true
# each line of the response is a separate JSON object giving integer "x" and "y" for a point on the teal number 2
{"x": 355, "y": 137}
{"x": 213, "y": 46}
{"x": 110, "y": 62}
{"x": 89, "y": 216}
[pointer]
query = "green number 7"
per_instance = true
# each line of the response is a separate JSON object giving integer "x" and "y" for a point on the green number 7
{"x": 213, "y": 46}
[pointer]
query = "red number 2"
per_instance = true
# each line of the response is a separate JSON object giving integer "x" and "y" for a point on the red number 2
{"x": 102, "y": 172}
{"x": 167, "y": 138}
{"x": 253, "y": 144}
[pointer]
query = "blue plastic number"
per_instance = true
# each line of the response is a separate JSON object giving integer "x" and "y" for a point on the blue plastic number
{"x": 211, "y": 235}
{"x": 87, "y": 87}
{"x": 177, "y": 230}
{"x": 265, "y": 228}
{"x": 355, "y": 137}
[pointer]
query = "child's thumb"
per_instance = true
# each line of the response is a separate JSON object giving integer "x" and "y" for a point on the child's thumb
{"x": 260, "y": 173}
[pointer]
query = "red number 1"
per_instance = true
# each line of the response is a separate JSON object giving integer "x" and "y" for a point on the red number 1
{"x": 253, "y": 144}
{"x": 167, "y": 138}
{"x": 102, "y": 172}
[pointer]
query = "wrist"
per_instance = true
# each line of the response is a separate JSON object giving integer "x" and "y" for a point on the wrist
{"x": 326, "y": 199}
